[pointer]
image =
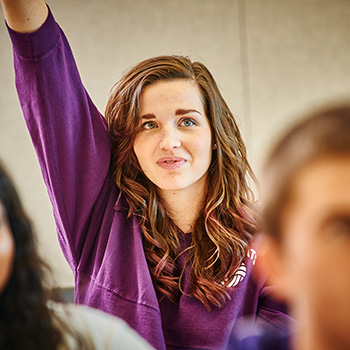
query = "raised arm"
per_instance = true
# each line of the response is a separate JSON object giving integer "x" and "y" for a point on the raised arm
{"x": 24, "y": 16}
{"x": 69, "y": 134}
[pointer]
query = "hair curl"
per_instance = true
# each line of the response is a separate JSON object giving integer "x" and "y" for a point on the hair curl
{"x": 227, "y": 222}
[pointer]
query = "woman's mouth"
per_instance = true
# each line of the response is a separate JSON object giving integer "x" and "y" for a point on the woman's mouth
{"x": 171, "y": 163}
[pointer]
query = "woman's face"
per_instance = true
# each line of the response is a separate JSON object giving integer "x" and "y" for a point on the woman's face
{"x": 7, "y": 249}
{"x": 174, "y": 146}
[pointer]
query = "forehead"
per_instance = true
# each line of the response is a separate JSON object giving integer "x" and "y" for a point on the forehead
{"x": 169, "y": 94}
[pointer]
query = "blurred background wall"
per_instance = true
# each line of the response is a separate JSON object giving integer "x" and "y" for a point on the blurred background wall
{"x": 272, "y": 60}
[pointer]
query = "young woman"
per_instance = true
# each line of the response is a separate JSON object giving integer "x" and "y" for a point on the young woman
{"x": 306, "y": 220}
{"x": 28, "y": 320}
{"x": 152, "y": 203}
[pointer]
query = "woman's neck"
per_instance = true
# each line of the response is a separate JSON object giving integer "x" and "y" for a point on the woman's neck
{"x": 184, "y": 206}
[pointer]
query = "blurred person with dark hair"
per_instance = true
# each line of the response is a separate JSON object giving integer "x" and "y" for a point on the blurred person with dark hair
{"x": 29, "y": 320}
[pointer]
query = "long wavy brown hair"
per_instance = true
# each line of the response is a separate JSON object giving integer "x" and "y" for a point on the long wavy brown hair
{"x": 226, "y": 223}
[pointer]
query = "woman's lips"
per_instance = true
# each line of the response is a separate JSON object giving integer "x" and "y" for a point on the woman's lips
{"x": 171, "y": 163}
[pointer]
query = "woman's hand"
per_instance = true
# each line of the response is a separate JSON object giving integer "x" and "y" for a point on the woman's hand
{"x": 24, "y": 16}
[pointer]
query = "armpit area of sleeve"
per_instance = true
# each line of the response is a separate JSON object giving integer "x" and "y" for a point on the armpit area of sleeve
{"x": 37, "y": 44}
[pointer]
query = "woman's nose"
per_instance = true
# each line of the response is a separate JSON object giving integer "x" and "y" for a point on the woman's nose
{"x": 169, "y": 139}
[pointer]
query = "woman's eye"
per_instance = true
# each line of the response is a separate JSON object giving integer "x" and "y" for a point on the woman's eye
{"x": 149, "y": 125}
{"x": 188, "y": 122}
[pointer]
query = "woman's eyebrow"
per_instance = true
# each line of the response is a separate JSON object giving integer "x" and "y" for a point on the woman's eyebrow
{"x": 180, "y": 111}
{"x": 186, "y": 111}
{"x": 148, "y": 116}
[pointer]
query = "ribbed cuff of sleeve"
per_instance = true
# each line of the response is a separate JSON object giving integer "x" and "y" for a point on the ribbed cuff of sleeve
{"x": 36, "y": 44}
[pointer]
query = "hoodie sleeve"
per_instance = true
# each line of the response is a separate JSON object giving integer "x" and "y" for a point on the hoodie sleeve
{"x": 69, "y": 134}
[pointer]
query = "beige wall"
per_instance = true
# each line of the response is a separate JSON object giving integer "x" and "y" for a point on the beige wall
{"x": 272, "y": 59}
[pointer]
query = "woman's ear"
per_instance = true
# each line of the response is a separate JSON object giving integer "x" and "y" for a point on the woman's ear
{"x": 271, "y": 263}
